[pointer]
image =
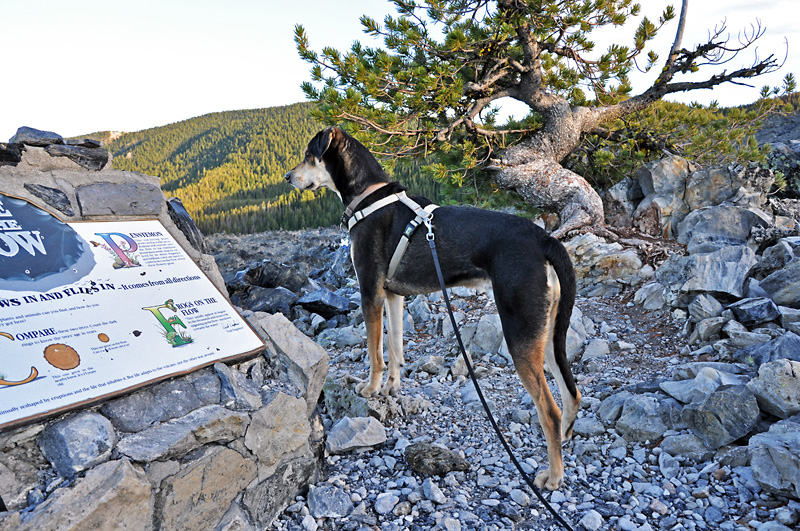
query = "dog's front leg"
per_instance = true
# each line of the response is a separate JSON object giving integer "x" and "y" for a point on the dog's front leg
{"x": 394, "y": 329}
{"x": 373, "y": 319}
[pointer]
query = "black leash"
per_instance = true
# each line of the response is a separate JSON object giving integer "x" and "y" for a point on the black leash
{"x": 500, "y": 436}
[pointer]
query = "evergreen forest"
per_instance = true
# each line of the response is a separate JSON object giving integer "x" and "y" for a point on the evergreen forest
{"x": 228, "y": 169}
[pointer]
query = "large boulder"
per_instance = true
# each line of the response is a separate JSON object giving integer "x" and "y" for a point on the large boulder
{"x": 775, "y": 458}
{"x": 777, "y": 387}
{"x": 726, "y": 415}
{"x": 663, "y": 185}
{"x": 711, "y": 228}
{"x": 785, "y": 346}
{"x": 270, "y": 274}
{"x": 326, "y": 303}
{"x": 754, "y": 311}
{"x": 35, "y": 137}
{"x": 720, "y": 272}
{"x": 714, "y": 185}
{"x": 783, "y": 286}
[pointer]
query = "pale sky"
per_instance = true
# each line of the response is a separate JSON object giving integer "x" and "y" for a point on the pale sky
{"x": 80, "y": 66}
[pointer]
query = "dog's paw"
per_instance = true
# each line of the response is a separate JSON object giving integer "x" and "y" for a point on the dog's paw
{"x": 365, "y": 390}
{"x": 543, "y": 480}
{"x": 391, "y": 387}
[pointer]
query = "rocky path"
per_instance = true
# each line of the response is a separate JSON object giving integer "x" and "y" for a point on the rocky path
{"x": 611, "y": 481}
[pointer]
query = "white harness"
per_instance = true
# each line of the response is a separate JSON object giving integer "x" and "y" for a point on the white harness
{"x": 423, "y": 215}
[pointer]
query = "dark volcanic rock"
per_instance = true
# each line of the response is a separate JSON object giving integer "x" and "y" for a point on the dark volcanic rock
{"x": 53, "y": 197}
{"x": 786, "y": 346}
{"x": 431, "y": 460}
{"x": 755, "y": 311}
{"x": 271, "y": 300}
{"x": 85, "y": 142}
{"x": 271, "y": 274}
{"x": 90, "y": 158}
{"x": 325, "y": 303}
{"x": 182, "y": 219}
{"x": 10, "y": 154}
{"x": 783, "y": 286}
{"x": 35, "y": 137}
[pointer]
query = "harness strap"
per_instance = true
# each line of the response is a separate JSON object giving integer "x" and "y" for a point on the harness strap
{"x": 360, "y": 197}
{"x": 422, "y": 215}
{"x": 377, "y": 205}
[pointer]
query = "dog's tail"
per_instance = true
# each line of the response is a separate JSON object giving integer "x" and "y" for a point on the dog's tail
{"x": 557, "y": 255}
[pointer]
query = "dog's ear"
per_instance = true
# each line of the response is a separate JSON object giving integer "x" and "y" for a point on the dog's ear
{"x": 321, "y": 142}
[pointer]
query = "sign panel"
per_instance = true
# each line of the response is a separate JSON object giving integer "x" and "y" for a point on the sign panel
{"x": 91, "y": 309}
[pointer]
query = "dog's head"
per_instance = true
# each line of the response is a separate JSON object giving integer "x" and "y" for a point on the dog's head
{"x": 313, "y": 172}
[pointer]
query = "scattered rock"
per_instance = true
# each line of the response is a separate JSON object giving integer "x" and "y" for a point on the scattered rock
{"x": 703, "y": 384}
{"x": 723, "y": 271}
{"x": 329, "y": 501}
{"x": 349, "y": 434}
{"x": 704, "y": 306}
{"x": 431, "y": 460}
{"x": 786, "y": 346}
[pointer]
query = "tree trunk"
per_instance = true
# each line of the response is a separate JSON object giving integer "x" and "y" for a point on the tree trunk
{"x": 533, "y": 169}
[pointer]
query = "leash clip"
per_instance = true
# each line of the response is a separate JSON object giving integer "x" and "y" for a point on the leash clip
{"x": 429, "y": 224}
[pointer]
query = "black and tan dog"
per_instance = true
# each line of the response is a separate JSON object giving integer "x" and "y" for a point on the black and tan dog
{"x": 531, "y": 275}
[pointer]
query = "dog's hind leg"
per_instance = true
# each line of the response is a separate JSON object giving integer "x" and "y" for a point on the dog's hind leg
{"x": 394, "y": 340}
{"x": 529, "y": 362}
{"x": 569, "y": 402}
{"x": 373, "y": 319}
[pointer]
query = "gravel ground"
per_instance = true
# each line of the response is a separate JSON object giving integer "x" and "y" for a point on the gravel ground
{"x": 609, "y": 484}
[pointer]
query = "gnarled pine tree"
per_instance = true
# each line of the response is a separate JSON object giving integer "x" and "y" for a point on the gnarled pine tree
{"x": 446, "y": 62}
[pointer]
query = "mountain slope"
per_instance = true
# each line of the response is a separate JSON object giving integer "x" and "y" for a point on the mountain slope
{"x": 228, "y": 168}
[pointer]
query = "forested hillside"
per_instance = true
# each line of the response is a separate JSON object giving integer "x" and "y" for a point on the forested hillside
{"x": 228, "y": 169}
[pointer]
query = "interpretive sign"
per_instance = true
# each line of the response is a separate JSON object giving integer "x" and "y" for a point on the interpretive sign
{"x": 92, "y": 309}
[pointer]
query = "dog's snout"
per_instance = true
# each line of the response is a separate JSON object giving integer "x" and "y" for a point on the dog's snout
{"x": 288, "y": 175}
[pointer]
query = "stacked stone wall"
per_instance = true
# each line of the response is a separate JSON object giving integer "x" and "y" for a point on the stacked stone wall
{"x": 224, "y": 447}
